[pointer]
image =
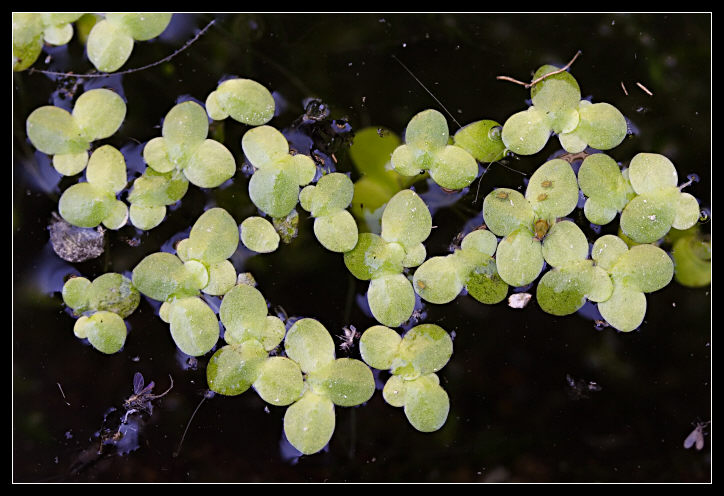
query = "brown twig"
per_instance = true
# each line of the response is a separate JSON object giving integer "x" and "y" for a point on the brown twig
{"x": 538, "y": 80}
{"x": 644, "y": 88}
{"x": 129, "y": 71}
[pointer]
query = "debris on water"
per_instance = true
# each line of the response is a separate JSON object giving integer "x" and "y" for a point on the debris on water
{"x": 246, "y": 278}
{"x": 696, "y": 437}
{"x": 287, "y": 227}
{"x": 519, "y": 300}
{"x": 579, "y": 388}
{"x": 348, "y": 338}
{"x": 75, "y": 244}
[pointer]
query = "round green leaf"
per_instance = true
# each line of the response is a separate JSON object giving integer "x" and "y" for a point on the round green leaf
{"x": 107, "y": 169}
{"x": 70, "y": 164}
{"x": 309, "y": 344}
{"x": 391, "y": 299}
{"x": 482, "y": 140}
{"x": 426, "y": 404}
{"x": 437, "y": 280}
{"x": 75, "y": 293}
{"x": 650, "y": 172}
{"x": 506, "y": 210}
{"x": 99, "y": 113}
{"x": 113, "y": 292}
{"x": 243, "y": 312}
{"x": 210, "y": 165}
{"x": 106, "y": 331}
{"x": 427, "y": 130}
{"x": 526, "y": 132}
{"x": 280, "y": 381}
{"x": 245, "y": 101}
{"x": 194, "y": 327}
{"x": 453, "y": 168}
{"x": 259, "y": 235}
{"x": 564, "y": 244}
{"x": 406, "y": 219}
{"x": 84, "y": 205}
{"x": 519, "y": 258}
{"x": 601, "y": 125}
{"x": 345, "y": 381}
{"x": 378, "y": 346}
{"x": 53, "y": 130}
{"x": 649, "y": 216}
{"x": 648, "y": 268}
{"x": 607, "y": 250}
{"x": 625, "y": 309}
{"x": 141, "y": 26}
{"x": 214, "y": 236}
{"x": 309, "y": 423}
{"x": 108, "y": 46}
{"x": 425, "y": 349}
{"x": 234, "y": 368}
{"x": 336, "y": 232}
{"x": 553, "y": 190}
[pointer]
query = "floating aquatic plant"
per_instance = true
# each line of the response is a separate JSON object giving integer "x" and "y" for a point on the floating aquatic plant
{"x": 334, "y": 227}
{"x": 481, "y": 139}
{"x": 659, "y": 204}
{"x": 102, "y": 306}
{"x": 606, "y": 187}
{"x": 201, "y": 265}
{"x": 183, "y": 154}
{"x": 524, "y": 221}
{"x": 274, "y": 186}
{"x": 574, "y": 277}
{"x": 692, "y": 257}
{"x": 440, "y": 279}
{"x": 97, "y": 114}
{"x": 91, "y": 203}
{"x": 243, "y": 100}
{"x": 412, "y": 360}
{"x": 426, "y": 148}
{"x": 641, "y": 269}
{"x": 309, "y": 378}
{"x": 111, "y": 40}
{"x": 259, "y": 235}
{"x": 371, "y": 153}
{"x": 380, "y": 259}
{"x": 558, "y": 108}
{"x": 32, "y": 29}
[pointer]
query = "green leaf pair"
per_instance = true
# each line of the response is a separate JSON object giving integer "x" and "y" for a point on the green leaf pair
{"x": 94, "y": 202}
{"x": 642, "y": 269}
{"x": 426, "y": 148}
{"x": 97, "y": 114}
{"x": 31, "y": 30}
{"x": 412, "y": 361}
{"x": 111, "y": 40}
{"x": 183, "y": 154}
{"x": 440, "y": 279}
{"x": 201, "y": 265}
{"x": 606, "y": 187}
{"x": 574, "y": 277}
{"x": 524, "y": 221}
{"x": 406, "y": 223}
{"x": 558, "y": 108}
{"x": 274, "y": 186}
{"x": 659, "y": 204}
{"x": 244, "y": 100}
{"x": 103, "y": 303}
{"x": 334, "y": 227}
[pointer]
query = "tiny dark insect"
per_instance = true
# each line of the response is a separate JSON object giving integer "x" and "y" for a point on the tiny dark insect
{"x": 696, "y": 437}
{"x": 350, "y": 334}
{"x": 142, "y": 394}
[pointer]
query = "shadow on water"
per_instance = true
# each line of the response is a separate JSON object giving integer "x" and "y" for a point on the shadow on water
{"x": 533, "y": 397}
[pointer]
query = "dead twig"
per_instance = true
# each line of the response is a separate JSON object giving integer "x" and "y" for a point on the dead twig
{"x": 646, "y": 90}
{"x": 538, "y": 80}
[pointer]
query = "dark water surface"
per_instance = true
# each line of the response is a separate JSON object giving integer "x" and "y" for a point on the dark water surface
{"x": 513, "y": 416}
